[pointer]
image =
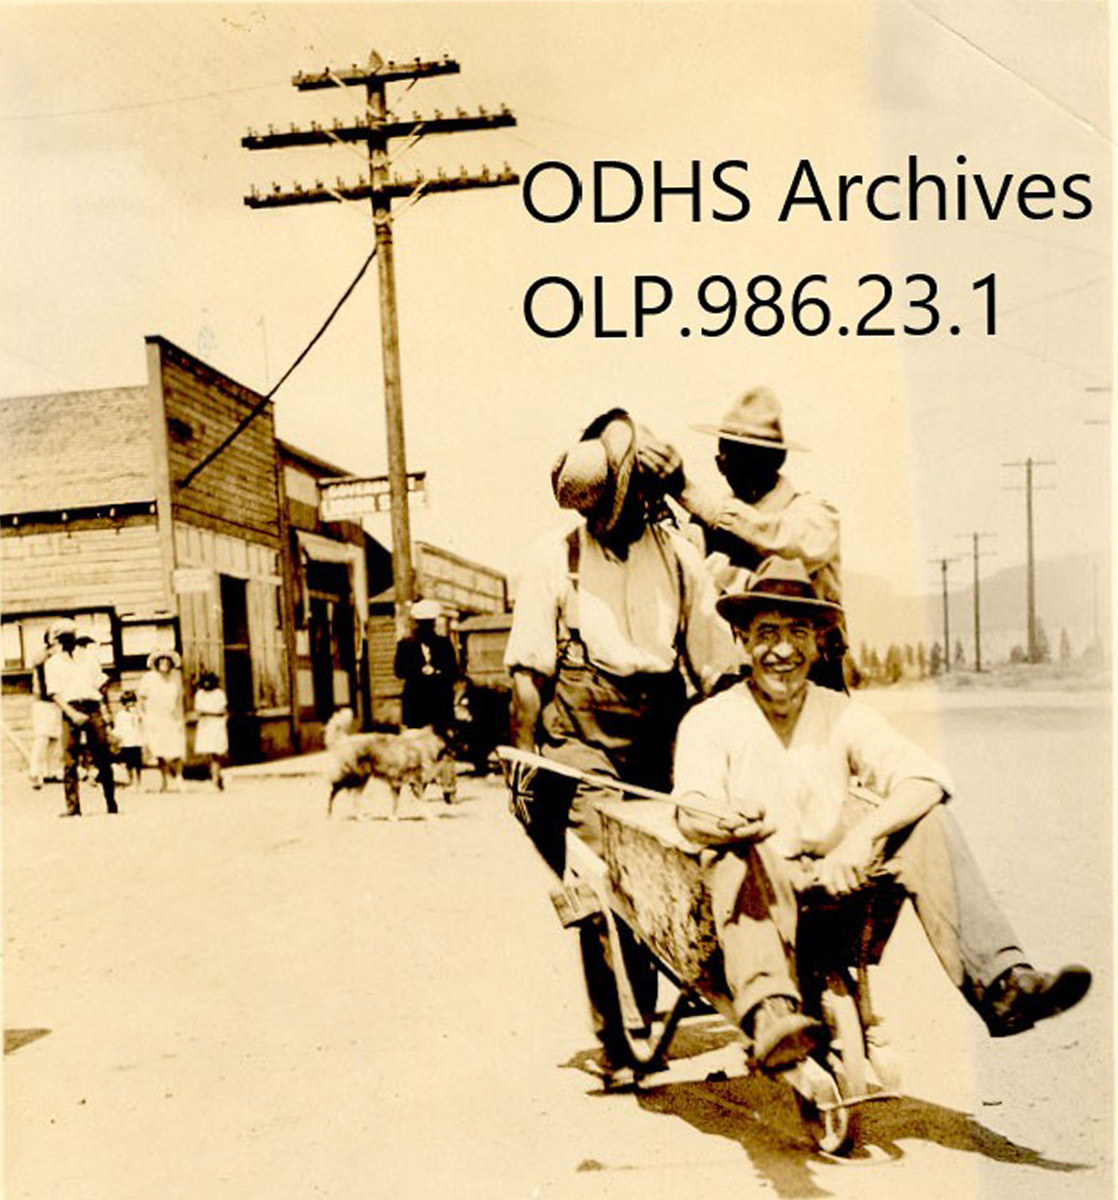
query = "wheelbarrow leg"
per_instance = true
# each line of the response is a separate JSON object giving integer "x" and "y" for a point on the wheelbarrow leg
{"x": 647, "y": 1040}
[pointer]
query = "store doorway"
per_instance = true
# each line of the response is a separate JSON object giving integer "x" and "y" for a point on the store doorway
{"x": 244, "y": 734}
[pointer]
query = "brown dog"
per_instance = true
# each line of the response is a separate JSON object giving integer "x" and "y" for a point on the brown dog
{"x": 414, "y": 758}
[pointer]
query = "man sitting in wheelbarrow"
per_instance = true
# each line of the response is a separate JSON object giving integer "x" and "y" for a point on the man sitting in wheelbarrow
{"x": 780, "y": 753}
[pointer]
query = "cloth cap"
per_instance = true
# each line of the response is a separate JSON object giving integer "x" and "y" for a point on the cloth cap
{"x": 753, "y": 418}
{"x": 426, "y": 610}
{"x": 593, "y": 476}
{"x": 780, "y": 583}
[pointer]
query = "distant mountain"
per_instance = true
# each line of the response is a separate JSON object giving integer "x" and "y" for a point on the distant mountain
{"x": 1068, "y": 589}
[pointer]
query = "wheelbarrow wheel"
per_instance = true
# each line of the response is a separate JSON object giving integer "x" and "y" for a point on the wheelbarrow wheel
{"x": 825, "y": 1117}
{"x": 848, "y": 1042}
{"x": 835, "y": 1130}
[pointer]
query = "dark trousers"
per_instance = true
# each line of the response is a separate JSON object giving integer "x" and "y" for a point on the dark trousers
{"x": 620, "y": 728}
{"x": 96, "y": 737}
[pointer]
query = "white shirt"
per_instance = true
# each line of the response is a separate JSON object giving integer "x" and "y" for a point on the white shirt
{"x": 71, "y": 677}
{"x": 628, "y": 612}
{"x": 728, "y": 752}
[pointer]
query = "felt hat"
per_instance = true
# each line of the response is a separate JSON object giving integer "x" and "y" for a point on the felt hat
{"x": 593, "y": 476}
{"x": 780, "y": 583}
{"x": 426, "y": 610}
{"x": 164, "y": 652}
{"x": 753, "y": 418}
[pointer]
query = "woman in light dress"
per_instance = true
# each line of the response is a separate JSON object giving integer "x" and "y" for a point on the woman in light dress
{"x": 46, "y": 718}
{"x": 161, "y": 713}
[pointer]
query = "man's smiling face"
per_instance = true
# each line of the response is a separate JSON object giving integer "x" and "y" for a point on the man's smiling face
{"x": 782, "y": 648}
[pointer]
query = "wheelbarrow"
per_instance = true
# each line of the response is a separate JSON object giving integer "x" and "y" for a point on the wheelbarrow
{"x": 651, "y": 879}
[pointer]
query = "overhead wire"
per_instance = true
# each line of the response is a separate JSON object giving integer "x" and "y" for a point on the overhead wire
{"x": 258, "y": 408}
{"x": 139, "y": 104}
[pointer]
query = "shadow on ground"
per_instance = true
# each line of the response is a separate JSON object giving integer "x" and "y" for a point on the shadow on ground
{"x": 762, "y": 1116}
{"x": 15, "y": 1038}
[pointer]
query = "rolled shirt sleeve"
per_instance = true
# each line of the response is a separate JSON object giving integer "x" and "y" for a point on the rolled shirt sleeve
{"x": 882, "y": 757}
{"x": 807, "y": 527}
{"x": 533, "y": 638}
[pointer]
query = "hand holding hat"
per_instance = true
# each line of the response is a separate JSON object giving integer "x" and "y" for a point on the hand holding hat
{"x": 660, "y": 464}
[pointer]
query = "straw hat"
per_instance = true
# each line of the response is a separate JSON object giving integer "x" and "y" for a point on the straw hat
{"x": 593, "y": 476}
{"x": 753, "y": 418}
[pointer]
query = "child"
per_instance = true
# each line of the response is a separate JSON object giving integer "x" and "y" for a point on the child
{"x": 211, "y": 737}
{"x": 130, "y": 736}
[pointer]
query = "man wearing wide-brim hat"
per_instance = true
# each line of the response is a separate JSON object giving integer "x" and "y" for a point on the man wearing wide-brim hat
{"x": 779, "y": 754}
{"x": 614, "y": 630}
{"x": 74, "y": 681}
{"x": 764, "y": 514}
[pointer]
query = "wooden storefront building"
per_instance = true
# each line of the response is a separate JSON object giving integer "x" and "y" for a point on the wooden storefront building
{"x": 234, "y": 567}
{"x": 96, "y": 523}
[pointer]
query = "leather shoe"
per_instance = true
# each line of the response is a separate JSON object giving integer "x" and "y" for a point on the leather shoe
{"x": 1021, "y": 996}
{"x": 781, "y": 1035}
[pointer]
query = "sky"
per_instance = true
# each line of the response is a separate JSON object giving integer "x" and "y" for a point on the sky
{"x": 123, "y": 216}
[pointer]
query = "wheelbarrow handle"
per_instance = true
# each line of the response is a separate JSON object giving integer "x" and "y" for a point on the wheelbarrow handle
{"x": 511, "y": 754}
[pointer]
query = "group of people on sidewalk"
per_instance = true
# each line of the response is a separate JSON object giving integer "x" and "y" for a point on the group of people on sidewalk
{"x": 70, "y": 705}
{"x": 720, "y": 675}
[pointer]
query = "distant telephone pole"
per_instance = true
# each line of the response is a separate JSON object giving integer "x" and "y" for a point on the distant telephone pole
{"x": 377, "y": 130}
{"x": 942, "y": 564}
{"x": 1032, "y": 653}
{"x": 977, "y": 604}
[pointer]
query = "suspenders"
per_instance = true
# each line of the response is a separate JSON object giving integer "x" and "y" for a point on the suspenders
{"x": 572, "y": 649}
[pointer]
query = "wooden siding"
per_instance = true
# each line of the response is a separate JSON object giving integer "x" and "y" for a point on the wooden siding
{"x": 201, "y": 616}
{"x": 386, "y": 688}
{"x": 467, "y": 586}
{"x": 238, "y": 492}
{"x": 85, "y": 568}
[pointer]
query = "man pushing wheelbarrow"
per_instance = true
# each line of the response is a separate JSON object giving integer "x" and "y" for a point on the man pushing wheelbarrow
{"x": 614, "y": 631}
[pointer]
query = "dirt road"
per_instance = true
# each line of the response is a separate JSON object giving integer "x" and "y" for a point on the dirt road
{"x": 230, "y": 995}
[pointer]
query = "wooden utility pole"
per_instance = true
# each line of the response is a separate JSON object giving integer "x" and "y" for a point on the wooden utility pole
{"x": 976, "y": 554}
{"x": 1032, "y": 652}
{"x": 377, "y": 130}
{"x": 942, "y": 563}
